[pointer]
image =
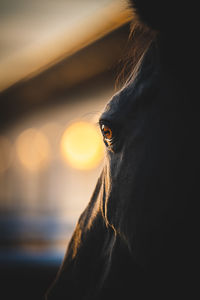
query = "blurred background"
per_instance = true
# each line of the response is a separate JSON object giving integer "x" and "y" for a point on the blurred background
{"x": 59, "y": 61}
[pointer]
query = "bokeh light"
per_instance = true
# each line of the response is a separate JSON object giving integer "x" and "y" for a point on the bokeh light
{"x": 6, "y": 154}
{"x": 82, "y": 146}
{"x": 33, "y": 149}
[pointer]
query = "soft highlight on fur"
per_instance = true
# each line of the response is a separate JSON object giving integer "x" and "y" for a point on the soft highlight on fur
{"x": 140, "y": 39}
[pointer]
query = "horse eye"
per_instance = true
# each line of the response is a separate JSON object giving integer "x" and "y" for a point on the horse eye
{"x": 107, "y": 132}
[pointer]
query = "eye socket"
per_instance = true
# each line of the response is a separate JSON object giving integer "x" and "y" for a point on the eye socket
{"x": 107, "y": 132}
{"x": 110, "y": 134}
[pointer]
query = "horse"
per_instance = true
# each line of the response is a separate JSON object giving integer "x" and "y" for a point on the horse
{"x": 138, "y": 236}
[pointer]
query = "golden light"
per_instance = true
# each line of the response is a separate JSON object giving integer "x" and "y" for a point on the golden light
{"x": 5, "y": 154}
{"x": 82, "y": 146}
{"x": 33, "y": 149}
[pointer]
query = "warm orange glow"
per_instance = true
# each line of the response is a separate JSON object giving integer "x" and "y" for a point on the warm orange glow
{"x": 107, "y": 132}
{"x": 33, "y": 149}
{"x": 82, "y": 146}
{"x": 5, "y": 154}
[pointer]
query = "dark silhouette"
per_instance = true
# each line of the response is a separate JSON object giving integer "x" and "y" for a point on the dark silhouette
{"x": 138, "y": 236}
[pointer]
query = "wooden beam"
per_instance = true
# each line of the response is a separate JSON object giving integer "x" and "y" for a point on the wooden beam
{"x": 35, "y": 59}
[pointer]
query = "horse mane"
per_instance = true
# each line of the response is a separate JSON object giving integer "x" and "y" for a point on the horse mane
{"x": 175, "y": 24}
{"x": 140, "y": 39}
{"x": 166, "y": 16}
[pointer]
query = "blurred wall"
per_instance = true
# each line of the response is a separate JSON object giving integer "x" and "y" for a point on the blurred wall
{"x": 45, "y": 179}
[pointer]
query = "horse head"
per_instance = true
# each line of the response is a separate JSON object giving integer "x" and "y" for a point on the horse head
{"x": 138, "y": 234}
